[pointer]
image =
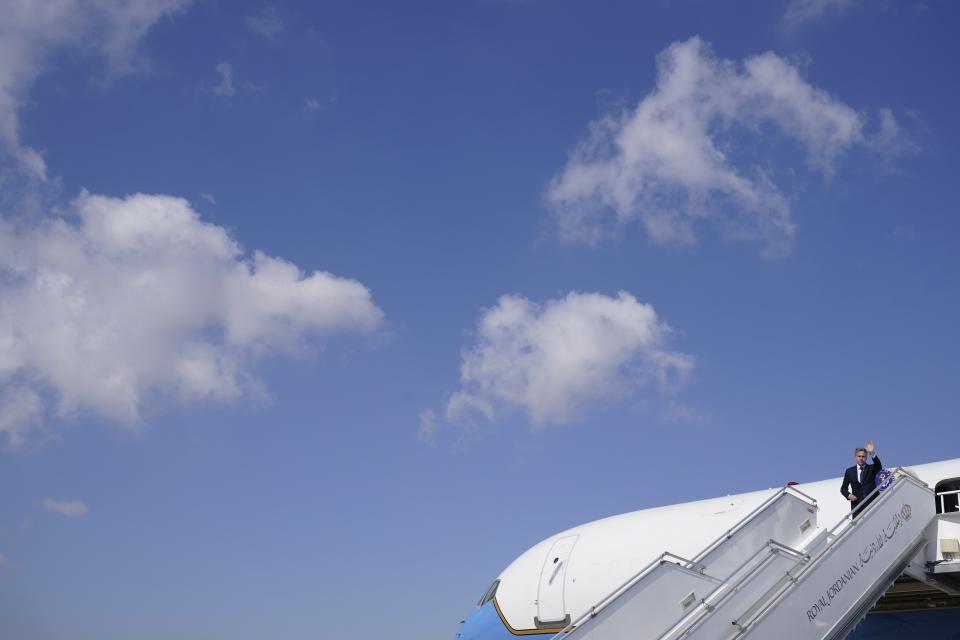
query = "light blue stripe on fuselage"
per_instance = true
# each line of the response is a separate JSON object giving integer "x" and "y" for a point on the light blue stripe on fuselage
{"x": 936, "y": 624}
{"x": 485, "y": 624}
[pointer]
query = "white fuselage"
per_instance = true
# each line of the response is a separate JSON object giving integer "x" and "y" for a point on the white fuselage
{"x": 606, "y": 553}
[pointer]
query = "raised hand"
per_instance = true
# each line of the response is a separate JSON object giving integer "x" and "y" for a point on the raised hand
{"x": 869, "y": 447}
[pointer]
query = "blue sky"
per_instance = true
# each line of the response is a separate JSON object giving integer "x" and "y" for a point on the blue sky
{"x": 314, "y": 315}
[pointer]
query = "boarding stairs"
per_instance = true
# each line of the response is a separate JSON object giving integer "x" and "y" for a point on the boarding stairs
{"x": 775, "y": 574}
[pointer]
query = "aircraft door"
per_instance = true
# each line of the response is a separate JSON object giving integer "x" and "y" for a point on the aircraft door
{"x": 551, "y": 611}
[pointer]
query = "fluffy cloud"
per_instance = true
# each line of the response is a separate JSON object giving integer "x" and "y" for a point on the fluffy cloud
{"x": 137, "y": 298}
{"x": 667, "y": 163}
{"x": 66, "y": 508}
{"x": 800, "y": 12}
{"x": 551, "y": 360}
{"x": 266, "y": 23}
{"x": 32, "y": 31}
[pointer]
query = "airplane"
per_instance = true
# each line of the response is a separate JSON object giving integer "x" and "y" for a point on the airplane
{"x": 790, "y": 563}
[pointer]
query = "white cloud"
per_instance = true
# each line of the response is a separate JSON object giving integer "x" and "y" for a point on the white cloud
{"x": 667, "y": 163}
{"x": 266, "y": 23}
{"x": 429, "y": 425}
{"x": 134, "y": 299}
{"x": 800, "y": 12}
{"x": 552, "y": 360}
{"x": 21, "y": 409}
{"x": 31, "y": 31}
{"x": 891, "y": 140}
{"x": 66, "y": 508}
{"x": 316, "y": 105}
{"x": 226, "y": 87}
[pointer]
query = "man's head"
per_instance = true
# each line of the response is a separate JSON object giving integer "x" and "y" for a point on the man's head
{"x": 860, "y": 454}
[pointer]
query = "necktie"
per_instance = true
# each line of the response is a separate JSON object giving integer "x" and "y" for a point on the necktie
{"x": 859, "y": 474}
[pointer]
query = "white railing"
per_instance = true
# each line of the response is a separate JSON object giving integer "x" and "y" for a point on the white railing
{"x": 626, "y": 586}
{"x": 750, "y": 516}
{"x": 756, "y": 565}
{"x": 694, "y": 565}
{"x": 745, "y": 584}
{"x": 847, "y": 526}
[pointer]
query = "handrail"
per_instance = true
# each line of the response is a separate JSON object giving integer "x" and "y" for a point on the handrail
{"x": 852, "y": 518}
{"x": 848, "y": 523}
{"x": 787, "y": 576}
{"x": 666, "y": 556}
{"x": 693, "y": 565}
{"x": 686, "y": 623}
{"x": 749, "y": 517}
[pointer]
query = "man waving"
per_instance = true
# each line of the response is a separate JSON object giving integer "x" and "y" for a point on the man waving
{"x": 860, "y": 480}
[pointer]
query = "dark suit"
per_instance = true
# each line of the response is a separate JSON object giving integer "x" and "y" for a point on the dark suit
{"x": 863, "y": 487}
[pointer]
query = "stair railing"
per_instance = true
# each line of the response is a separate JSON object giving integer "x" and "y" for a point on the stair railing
{"x": 626, "y": 586}
{"x": 732, "y": 531}
{"x": 693, "y": 565}
{"x": 834, "y": 537}
{"x": 744, "y": 573}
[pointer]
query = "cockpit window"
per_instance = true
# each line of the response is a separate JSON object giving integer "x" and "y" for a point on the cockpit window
{"x": 488, "y": 596}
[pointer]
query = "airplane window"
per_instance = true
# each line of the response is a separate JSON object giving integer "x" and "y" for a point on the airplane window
{"x": 488, "y": 596}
